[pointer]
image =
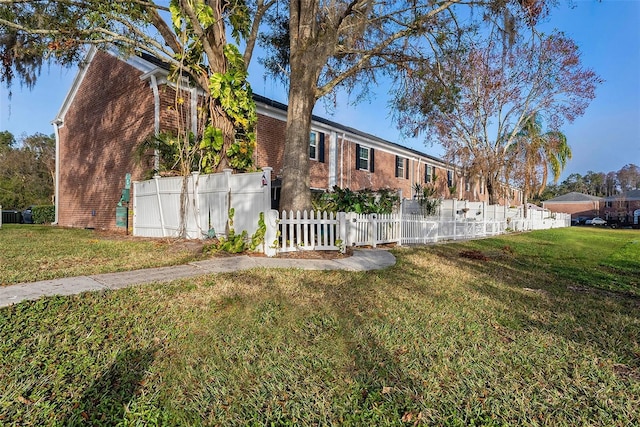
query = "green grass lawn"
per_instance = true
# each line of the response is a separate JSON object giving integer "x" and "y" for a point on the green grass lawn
{"x": 36, "y": 252}
{"x": 538, "y": 328}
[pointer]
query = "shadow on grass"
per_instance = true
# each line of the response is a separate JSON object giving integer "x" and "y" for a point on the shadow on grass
{"x": 104, "y": 402}
{"x": 378, "y": 390}
{"x": 540, "y": 297}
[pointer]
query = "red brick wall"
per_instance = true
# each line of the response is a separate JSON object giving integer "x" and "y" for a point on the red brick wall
{"x": 270, "y": 134}
{"x": 110, "y": 114}
{"x": 620, "y": 210}
{"x": 576, "y": 209}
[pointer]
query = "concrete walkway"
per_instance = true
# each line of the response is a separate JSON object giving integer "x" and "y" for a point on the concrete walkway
{"x": 362, "y": 260}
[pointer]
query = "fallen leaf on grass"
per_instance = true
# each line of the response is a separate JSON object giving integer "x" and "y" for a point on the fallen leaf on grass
{"x": 24, "y": 400}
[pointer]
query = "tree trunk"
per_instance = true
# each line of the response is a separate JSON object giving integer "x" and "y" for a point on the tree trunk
{"x": 307, "y": 56}
{"x": 492, "y": 191}
{"x": 296, "y": 193}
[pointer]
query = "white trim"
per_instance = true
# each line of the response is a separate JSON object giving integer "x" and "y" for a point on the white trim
{"x": 156, "y": 120}
{"x": 75, "y": 86}
{"x": 333, "y": 159}
{"x": 194, "y": 110}
{"x": 56, "y": 195}
{"x": 360, "y": 158}
{"x": 317, "y": 145}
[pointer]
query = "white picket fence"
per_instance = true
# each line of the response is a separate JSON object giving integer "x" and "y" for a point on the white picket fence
{"x": 290, "y": 232}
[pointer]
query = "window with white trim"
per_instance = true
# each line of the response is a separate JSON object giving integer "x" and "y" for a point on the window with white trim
{"x": 316, "y": 146}
{"x": 429, "y": 173}
{"x": 400, "y": 167}
{"x": 313, "y": 146}
{"x": 364, "y": 158}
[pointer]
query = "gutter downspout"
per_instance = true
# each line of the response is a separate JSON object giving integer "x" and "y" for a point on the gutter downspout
{"x": 194, "y": 110}
{"x": 156, "y": 122}
{"x": 341, "y": 149}
{"x": 56, "y": 194}
{"x": 417, "y": 179}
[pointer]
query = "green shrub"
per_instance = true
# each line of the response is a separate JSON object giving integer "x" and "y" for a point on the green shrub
{"x": 43, "y": 214}
{"x": 365, "y": 201}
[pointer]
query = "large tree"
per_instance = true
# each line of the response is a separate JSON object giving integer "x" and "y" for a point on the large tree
{"x": 189, "y": 35}
{"x": 27, "y": 171}
{"x": 485, "y": 92}
{"x": 629, "y": 177}
{"x": 319, "y": 46}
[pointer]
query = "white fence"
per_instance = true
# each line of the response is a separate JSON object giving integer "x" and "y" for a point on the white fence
{"x": 209, "y": 198}
{"x": 322, "y": 231}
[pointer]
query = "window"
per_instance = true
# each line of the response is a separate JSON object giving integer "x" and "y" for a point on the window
{"x": 449, "y": 178}
{"x": 467, "y": 183}
{"x": 608, "y": 204}
{"x": 402, "y": 167}
{"x": 313, "y": 146}
{"x": 429, "y": 173}
{"x": 364, "y": 158}
{"x": 316, "y": 146}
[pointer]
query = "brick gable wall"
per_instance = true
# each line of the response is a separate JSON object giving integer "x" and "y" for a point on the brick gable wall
{"x": 111, "y": 113}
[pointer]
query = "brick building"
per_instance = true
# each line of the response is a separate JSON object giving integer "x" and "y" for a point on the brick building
{"x": 579, "y": 205}
{"x": 623, "y": 208}
{"x": 114, "y": 104}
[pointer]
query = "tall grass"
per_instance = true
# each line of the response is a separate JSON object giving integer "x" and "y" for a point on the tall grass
{"x": 493, "y": 332}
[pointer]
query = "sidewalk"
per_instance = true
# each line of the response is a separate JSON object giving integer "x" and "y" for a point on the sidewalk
{"x": 362, "y": 260}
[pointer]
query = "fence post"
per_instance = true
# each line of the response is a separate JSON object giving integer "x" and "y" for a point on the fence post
{"x": 351, "y": 218}
{"x": 454, "y": 209}
{"x": 342, "y": 231}
{"x": 400, "y": 224}
{"x": 270, "y": 244}
{"x": 266, "y": 188}
{"x": 373, "y": 229}
{"x": 195, "y": 183}
{"x": 162, "y": 223}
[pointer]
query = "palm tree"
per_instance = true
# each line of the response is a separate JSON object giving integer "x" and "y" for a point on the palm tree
{"x": 536, "y": 154}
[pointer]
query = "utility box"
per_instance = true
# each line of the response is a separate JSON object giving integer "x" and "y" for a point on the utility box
{"x": 126, "y": 195}
{"x": 122, "y": 216}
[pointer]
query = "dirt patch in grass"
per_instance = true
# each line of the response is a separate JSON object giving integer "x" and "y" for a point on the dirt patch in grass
{"x": 192, "y": 246}
{"x": 474, "y": 254}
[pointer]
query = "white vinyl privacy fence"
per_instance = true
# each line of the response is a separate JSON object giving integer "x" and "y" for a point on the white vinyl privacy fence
{"x": 159, "y": 212}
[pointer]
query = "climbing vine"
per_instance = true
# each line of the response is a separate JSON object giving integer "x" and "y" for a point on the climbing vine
{"x": 232, "y": 91}
{"x": 228, "y": 89}
{"x": 236, "y": 243}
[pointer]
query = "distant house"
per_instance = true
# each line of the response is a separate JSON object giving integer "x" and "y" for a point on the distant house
{"x": 115, "y": 103}
{"x": 623, "y": 208}
{"x": 577, "y": 204}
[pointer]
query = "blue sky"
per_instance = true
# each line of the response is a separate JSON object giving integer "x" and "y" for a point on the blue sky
{"x": 605, "y": 139}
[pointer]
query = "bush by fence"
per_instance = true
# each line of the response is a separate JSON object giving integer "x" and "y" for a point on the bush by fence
{"x": 43, "y": 214}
